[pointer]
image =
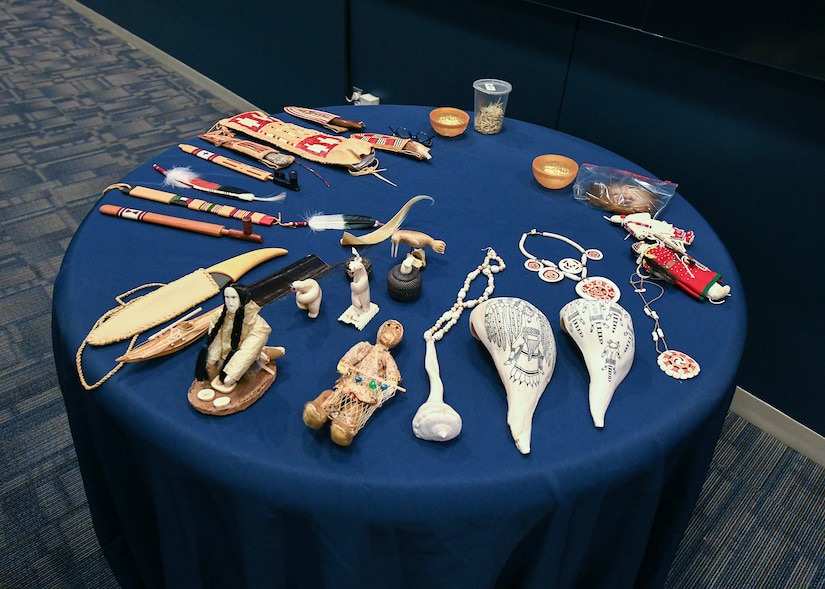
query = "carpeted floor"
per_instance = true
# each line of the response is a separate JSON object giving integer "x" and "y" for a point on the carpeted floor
{"x": 80, "y": 107}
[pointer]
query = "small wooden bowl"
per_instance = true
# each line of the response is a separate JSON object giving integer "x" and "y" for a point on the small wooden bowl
{"x": 448, "y": 121}
{"x": 555, "y": 171}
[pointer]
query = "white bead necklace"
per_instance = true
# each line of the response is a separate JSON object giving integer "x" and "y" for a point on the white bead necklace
{"x": 435, "y": 420}
{"x": 594, "y": 288}
{"x": 450, "y": 317}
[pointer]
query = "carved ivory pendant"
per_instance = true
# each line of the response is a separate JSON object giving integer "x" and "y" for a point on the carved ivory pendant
{"x": 520, "y": 341}
{"x": 603, "y": 331}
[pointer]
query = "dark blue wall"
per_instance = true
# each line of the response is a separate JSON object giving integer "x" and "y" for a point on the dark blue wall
{"x": 433, "y": 51}
{"x": 745, "y": 142}
{"x": 270, "y": 53}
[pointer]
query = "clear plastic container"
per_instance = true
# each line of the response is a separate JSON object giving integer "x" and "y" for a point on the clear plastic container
{"x": 490, "y": 104}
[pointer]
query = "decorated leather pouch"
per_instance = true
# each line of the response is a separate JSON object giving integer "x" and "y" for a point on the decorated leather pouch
{"x": 150, "y": 310}
{"x": 404, "y": 146}
{"x": 307, "y": 143}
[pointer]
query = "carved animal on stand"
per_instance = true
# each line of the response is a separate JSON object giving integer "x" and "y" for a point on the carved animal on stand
{"x": 307, "y": 296}
{"x": 362, "y": 309}
{"x": 360, "y": 284}
{"x": 415, "y": 239}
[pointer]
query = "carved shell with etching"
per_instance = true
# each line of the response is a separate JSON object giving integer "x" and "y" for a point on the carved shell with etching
{"x": 603, "y": 332}
{"x": 520, "y": 341}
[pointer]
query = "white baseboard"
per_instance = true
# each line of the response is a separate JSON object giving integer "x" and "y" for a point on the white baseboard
{"x": 775, "y": 423}
{"x": 173, "y": 64}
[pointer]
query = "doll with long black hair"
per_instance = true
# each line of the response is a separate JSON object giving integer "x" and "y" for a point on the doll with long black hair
{"x": 236, "y": 338}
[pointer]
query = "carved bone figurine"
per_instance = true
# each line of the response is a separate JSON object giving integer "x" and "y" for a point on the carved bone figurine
{"x": 415, "y": 239}
{"x": 307, "y": 296}
{"x": 360, "y": 285}
{"x": 368, "y": 378}
{"x": 362, "y": 309}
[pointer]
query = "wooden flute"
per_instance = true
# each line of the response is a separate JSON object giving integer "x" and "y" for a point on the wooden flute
{"x": 194, "y": 204}
{"x": 226, "y": 162}
{"x": 212, "y": 229}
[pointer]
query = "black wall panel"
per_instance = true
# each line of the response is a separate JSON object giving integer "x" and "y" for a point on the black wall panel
{"x": 789, "y": 36}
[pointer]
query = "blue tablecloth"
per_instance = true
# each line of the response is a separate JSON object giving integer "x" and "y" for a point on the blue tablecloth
{"x": 256, "y": 499}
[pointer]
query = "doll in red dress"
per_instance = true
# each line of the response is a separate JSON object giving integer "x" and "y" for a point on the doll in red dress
{"x": 682, "y": 270}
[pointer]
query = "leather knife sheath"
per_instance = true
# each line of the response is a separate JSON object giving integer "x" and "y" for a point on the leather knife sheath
{"x": 170, "y": 340}
{"x": 175, "y": 298}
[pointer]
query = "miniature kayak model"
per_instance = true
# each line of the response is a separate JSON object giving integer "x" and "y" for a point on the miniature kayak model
{"x": 172, "y": 338}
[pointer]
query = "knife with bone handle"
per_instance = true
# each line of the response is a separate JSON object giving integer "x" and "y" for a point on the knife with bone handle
{"x": 325, "y": 119}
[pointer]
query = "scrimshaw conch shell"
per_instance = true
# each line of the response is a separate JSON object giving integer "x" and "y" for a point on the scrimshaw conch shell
{"x": 520, "y": 341}
{"x": 603, "y": 331}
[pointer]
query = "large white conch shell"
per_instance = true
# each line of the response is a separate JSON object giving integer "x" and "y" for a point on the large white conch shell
{"x": 603, "y": 331}
{"x": 520, "y": 340}
{"x": 435, "y": 420}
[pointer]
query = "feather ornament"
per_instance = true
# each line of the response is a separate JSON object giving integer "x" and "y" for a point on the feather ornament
{"x": 341, "y": 222}
{"x": 185, "y": 177}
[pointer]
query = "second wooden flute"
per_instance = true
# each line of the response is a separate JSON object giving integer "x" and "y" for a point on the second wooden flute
{"x": 194, "y": 204}
{"x": 226, "y": 162}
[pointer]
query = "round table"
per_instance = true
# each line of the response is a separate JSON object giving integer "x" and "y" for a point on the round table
{"x": 257, "y": 499}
